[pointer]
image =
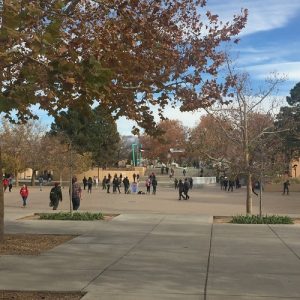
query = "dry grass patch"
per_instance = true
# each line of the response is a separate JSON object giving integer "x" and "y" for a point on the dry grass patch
{"x": 22, "y": 295}
{"x": 31, "y": 244}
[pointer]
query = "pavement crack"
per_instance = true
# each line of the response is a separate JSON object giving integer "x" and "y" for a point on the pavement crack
{"x": 124, "y": 255}
{"x": 208, "y": 262}
{"x": 283, "y": 242}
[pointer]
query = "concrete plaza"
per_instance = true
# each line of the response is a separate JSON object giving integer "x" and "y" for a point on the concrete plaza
{"x": 159, "y": 247}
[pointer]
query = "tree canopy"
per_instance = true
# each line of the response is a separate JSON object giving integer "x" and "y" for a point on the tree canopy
{"x": 288, "y": 120}
{"x": 127, "y": 55}
{"x": 94, "y": 131}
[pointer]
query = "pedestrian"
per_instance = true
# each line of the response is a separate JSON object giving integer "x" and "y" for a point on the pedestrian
{"x": 121, "y": 179}
{"x": 108, "y": 184}
{"x": 104, "y": 183}
{"x": 55, "y": 196}
{"x": 180, "y": 189}
{"x": 176, "y": 183}
{"x": 186, "y": 187}
{"x": 222, "y": 182}
{"x": 148, "y": 185}
{"x": 184, "y": 172}
{"x": 253, "y": 187}
{"x": 10, "y": 183}
{"x": 126, "y": 185}
{"x": 84, "y": 181}
{"x": 154, "y": 185}
{"x": 237, "y": 183}
{"x": 167, "y": 170}
{"x": 286, "y": 185}
{"x": 5, "y": 184}
{"x": 191, "y": 182}
{"x": 225, "y": 183}
{"x": 230, "y": 185}
{"x": 116, "y": 184}
{"x": 41, "y": 181}
{"x": 76, "y": 194}
{"x": 90, "y": 184}
{"x": 24, "y": 192}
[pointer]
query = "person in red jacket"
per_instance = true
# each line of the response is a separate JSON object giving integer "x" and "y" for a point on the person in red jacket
{"x": 24, "y": 192}
{"x": 5, "y": 184}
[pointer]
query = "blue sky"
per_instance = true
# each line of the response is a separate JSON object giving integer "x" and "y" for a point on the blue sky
{"x": 269, "y": 43}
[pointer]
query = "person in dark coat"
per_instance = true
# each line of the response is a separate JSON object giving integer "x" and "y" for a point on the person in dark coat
{"x": 90, "y": 184}
{"x": 191, "y": 182}
{"x": 126, "y": 185}
{"x": 55, "y": 196}
{"x": 186, "y": 187}
{"x": 230, "y": 185}
{"x": 286, "y": 185}
{"x": 84, "y": 181}
{"x": 154, "y": 185}
{"x": 225, "y": 183}
{"x": 180, "y": 189}
{"x": 108, "y": 184}
{"x": 176, "y": 183}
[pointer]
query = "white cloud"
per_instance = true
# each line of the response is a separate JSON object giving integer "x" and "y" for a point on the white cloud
{"x": 189, "y": 119}
{"x": 263, "y": 14}
{"x": 289, "y": 69}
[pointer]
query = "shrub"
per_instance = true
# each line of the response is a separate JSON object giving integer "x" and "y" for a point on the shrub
{"x": 76, "y": 216}
{"x": 256, "y": 219}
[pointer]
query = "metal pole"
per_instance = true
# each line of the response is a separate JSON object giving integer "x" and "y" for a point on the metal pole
{"x": 260, "y": 194}
{"x": 133, "y": 157}
{"x": 71, "y": 175}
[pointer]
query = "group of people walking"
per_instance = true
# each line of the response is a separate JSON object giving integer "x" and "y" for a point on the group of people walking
{"x": 183, "y": 189}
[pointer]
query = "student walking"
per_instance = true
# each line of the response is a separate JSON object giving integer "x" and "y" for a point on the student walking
{"x": 90, "y": 184}
{"x": 186, "y": 187}
{"x": 76, "y": 194}
{"x": 148, "y": 185}
{"x": 126, "y": 185}
{"x": 154, "y": 185}
{"x": 286, "y": 185}
{"x": 24, "y": 192}
{"x": 55, "y": 196}
{"x": 180, "y": 189}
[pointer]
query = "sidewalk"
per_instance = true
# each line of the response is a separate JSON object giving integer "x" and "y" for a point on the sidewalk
{"x": 152, "y": 255}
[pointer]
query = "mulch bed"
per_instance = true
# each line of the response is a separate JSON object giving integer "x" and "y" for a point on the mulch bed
{"x": 227, "y": 219}
{"x": 20, "y": 295}
{"x": 31, "y": 244}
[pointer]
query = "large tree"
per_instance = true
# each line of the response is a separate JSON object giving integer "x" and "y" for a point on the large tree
{"x": 94, "y": 131}
{"x": 173, "y": 135}
{"x": 288, "y": 120}
{"x": 244, "y": 122}
{"x": 127, "y": 55}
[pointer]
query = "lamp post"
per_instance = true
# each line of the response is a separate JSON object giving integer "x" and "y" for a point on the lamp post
{"x": 133, "y": 156}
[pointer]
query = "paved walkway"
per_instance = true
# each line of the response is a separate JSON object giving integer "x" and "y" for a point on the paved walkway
{"x": 160, "y": 255}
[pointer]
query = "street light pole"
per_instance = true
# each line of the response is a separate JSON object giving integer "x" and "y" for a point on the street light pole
{"x": 71, "y": 175}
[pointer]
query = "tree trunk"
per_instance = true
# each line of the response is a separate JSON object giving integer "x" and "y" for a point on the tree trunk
{"x": 33, "y": 177}
{"x": 1, "y": 203}
{"x": 16, "y": 178}
{"x": 247, "y": 161}
{"x": 60, "y": 178}
{"x": 249, "y": 194}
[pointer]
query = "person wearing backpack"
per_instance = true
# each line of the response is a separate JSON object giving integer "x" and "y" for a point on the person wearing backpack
{"x": 55, "y": 196}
